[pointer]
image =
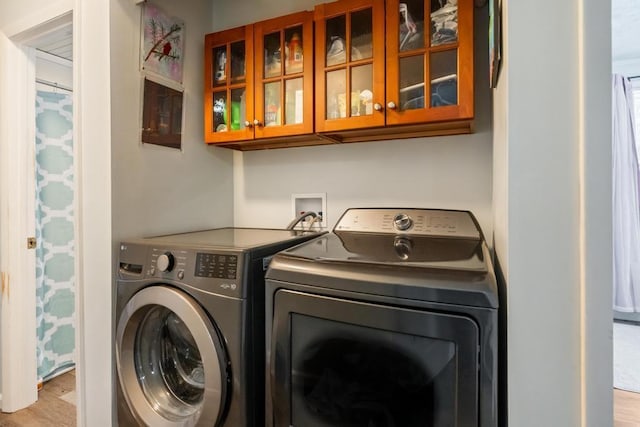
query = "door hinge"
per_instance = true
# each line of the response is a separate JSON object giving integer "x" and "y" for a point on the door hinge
{"x": 31, "y": 242}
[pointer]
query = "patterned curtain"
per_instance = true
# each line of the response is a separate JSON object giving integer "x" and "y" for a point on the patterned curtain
{"x": 55, "y": 280}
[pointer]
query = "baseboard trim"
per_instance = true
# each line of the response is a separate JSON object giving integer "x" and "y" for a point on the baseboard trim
{"x": 619, "y": 316}
{"x": 627, "y": 322}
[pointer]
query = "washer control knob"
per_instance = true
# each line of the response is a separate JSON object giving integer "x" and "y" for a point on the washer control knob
{"x": 402, "y": 222}
{"x": 403, "y": 247}
{"x": 165, "y": 262}
{"x": 181, "y": 274}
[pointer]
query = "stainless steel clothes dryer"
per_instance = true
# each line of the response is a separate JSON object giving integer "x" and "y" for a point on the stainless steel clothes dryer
{"x": 389, "y": 321}
{"x": 190, "y": 327}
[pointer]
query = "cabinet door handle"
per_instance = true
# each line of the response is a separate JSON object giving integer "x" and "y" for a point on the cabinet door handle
{"x": 256, "y": 122}
{"x": 377, "y": 107}
{"x": 391, "y": 105}
{"x": 248, "y": 124}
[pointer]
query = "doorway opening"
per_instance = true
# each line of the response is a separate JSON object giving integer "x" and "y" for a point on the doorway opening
{"x": 48, "y": 266}
{"x": 626, "y": 211}
{"x": 54, "y": 194}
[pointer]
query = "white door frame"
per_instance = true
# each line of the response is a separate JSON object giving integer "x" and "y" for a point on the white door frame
{"x": 92, "y": 168}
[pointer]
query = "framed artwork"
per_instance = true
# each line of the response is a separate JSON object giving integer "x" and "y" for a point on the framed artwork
{"x": 162, "y": 43}
{"x": 161, "y": 115}
{"x": 495, "y": 42}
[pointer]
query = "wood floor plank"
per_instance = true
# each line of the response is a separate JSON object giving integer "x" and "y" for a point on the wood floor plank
{"x": 49, "y": 410}
{"x": 626, "y": 408}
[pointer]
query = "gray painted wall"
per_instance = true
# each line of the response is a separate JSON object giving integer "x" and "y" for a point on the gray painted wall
{"x": 552, "y": 202}
{"x": 441, "y": 172}
{"x": 159, "y": 190}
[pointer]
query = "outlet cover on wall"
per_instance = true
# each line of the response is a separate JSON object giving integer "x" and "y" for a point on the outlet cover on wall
{"x": 316, "y": 202}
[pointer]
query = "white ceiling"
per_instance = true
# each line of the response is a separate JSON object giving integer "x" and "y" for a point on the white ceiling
{"x": 625, "y": 37}
{"x": 58, "y": 42}
{"x": 625, "y": 16}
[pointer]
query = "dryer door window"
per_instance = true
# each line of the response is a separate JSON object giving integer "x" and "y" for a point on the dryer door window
{"x": 170, "y": 359}
{"x": 341, "y": 363}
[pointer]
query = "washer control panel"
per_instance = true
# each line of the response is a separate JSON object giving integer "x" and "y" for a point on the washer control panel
{"x": 216, "y": 266}
{"x": 422, "y": 222}
{"x": 166, "y": 261}
{"x": 216, "y": 271}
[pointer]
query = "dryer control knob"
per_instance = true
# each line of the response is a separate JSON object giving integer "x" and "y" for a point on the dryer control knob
{"x": 402, "y": 222}
{"x": 165, "y": 262}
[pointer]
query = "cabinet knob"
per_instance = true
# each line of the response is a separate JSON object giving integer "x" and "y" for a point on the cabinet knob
{"x": 391, "y": 105}
{"x": 256, "y": 122}
{"x": 247, "y": 124}
{"x": 377, "y": 107}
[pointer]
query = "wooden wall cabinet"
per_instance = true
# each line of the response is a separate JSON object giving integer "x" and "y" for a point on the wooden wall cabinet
{"x": 400, "y": 69}
{"x": 229, "y": 86}
{"x": 259, "y": 84}
{"x": 351, "y": 70}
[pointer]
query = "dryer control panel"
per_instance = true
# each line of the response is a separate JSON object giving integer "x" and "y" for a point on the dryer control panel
{"x": 421, "y": 222}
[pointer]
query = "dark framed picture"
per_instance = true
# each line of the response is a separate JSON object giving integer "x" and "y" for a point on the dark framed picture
{"x": 495, "y": 41}
{"x": 161, "y": 115}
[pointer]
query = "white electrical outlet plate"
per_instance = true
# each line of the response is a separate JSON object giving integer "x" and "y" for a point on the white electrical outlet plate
{"x": 316, "y": 202}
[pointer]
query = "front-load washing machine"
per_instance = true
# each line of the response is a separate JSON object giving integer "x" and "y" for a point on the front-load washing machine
{"x": 190, "y": 327}
{"x": 389, "y": 321}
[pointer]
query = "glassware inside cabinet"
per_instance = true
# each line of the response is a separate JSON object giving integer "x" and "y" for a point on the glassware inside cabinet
{"x": 272, "y": 107}
{"x": 238, "y": 65}
{"x": 336, "y": 95}
{"x": 293, "y": 50}
{"x": 220, "y": 111}
{"x": 444, "y": 78}
{"x": 272, "y": 55}
{"x": 361, "y": 34}
{"x": 361, "y": 90}
{"x": 444, "y": 22}
{"x": 411, "y": 25}
{"x": 219, "y": 65}
{"x": 412, "y": 82}
{"x": 294, "y": 101}
{"x": 238, "y": 109}
{"x": 336, "y": 40}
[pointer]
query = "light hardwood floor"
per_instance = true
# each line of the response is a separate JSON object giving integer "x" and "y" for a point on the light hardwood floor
{"x": 55, "y": 406}
{"x": 626, "y": 408}
{"x": 54, "y": 409}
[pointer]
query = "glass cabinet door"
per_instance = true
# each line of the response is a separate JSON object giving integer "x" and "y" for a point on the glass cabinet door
{"x": 430, "y": 65}
{"x": 229, "y": 85}
{"x": 284, "y": 76}
{"x": 350, "y": 74}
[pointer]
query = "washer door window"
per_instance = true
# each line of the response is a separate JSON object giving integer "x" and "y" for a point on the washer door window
{"x": 341, "y": 363}
{"x": 170, "y": 360}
